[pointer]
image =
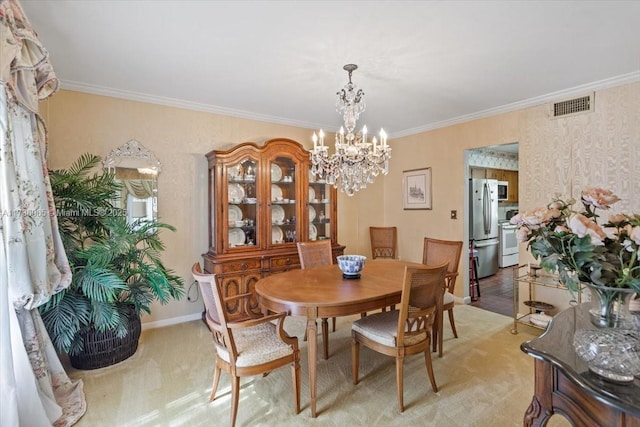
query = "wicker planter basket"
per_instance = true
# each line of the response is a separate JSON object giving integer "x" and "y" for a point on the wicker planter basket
{"x": 103, "y": 349}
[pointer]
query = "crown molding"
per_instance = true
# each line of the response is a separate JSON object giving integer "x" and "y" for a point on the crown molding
{"x": 177, "y": 103}
{"x": 527, "y": 103}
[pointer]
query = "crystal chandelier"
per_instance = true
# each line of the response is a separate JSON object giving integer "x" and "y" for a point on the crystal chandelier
{"x": 356, "y": 161}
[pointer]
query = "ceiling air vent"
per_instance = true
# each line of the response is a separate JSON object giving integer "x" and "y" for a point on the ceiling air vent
{"x": 571, "y": 107}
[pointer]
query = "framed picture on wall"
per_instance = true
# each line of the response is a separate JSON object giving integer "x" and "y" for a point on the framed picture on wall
{"x": 416, "y": 188}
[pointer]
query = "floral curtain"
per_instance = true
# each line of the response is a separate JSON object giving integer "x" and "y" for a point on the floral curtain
{"x": 35, "y": 389}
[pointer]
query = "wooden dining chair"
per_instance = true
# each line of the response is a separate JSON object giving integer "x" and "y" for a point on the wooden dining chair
{"x": 435, "y": 252}
{"x": 246, "y": 347}
{"x": 406, "y": 331}
{"x": 318, "y": 254}
{"x": 384, "y": 242}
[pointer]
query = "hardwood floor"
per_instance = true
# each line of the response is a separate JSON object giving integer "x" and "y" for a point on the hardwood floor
{"x": 496, "y": 292}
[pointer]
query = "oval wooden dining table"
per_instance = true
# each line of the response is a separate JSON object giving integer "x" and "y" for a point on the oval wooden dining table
{"x": 323, "y": 292}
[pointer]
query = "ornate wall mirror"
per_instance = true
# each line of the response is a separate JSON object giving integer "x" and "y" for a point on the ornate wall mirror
{"x": 137, "y": 170}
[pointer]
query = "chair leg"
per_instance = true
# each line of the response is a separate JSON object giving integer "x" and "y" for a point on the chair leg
{"x": 453, "y": 324}
{"x": 432, "y": 378}
{"x": 355, "y": 360}
{"x": 235, "y": 395}
{"x": 399, "y": 380}
{"x": 325, "y": 338}
{"x": 434, "y": 334}
{"x": 334, "y": 324}
{"x": 216, "y": 380}
{"x": 440, "y": 336}
{"x": 437, "y": 334}
{"x": 295, "y": 371}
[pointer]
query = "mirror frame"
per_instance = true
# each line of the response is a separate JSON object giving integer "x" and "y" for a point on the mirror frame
{"x": 133, "y": 155}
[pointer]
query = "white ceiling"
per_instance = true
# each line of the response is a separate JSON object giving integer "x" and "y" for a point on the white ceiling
{"x": 422, "y": 64}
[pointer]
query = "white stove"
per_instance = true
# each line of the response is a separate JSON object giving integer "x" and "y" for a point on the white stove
{"x": 508, "y": 248}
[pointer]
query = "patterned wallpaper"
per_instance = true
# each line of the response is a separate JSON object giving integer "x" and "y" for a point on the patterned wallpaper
{"x": 489, "y": 158}
{"x": 599, "y": 148}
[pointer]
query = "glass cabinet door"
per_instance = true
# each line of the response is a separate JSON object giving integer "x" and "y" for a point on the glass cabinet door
{"x": 284, "y": 201}
{"x": 319, "y": 209}
{"x": 242, "y": 201}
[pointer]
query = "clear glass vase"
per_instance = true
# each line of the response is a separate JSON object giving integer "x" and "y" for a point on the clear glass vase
{"x": 610, "y": 307}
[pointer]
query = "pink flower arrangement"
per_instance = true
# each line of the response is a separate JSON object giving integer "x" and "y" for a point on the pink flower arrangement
{"x": 577, "y": 247}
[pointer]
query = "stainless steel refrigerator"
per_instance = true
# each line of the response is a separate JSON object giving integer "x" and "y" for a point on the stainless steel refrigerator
{"x": 483, "y": 228}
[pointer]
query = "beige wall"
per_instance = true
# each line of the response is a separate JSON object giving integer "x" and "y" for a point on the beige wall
{"x": 556, "y": 155}
{"x": 80, "y": 123}
{"x": 601, "y": 148}
{"x": 443, "y": 150}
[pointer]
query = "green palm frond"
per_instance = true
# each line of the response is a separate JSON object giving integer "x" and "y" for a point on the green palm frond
{"x": 115, "y": 265}
{"x": 100, "y": 284}
{"x": 64, "y": 317}
{"x": 106, "y": 316}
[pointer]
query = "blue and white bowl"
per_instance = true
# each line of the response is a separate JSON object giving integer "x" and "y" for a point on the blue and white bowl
{"x": 351, "y": 265}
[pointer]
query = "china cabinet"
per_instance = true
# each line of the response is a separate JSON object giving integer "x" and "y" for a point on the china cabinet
{"x": 262, "y": 200}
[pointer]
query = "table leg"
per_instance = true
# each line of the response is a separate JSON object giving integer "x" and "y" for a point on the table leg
{"x": 325, "y": 338}
{"x": 312, "y": 340}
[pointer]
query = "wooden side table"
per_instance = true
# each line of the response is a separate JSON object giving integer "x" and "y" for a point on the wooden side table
{"x": 564, "y": 384}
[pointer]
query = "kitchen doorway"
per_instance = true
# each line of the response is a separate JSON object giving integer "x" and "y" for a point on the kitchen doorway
{"x": 497, "y": 164}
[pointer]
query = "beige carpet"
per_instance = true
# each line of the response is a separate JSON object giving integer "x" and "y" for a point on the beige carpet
{"x": 483, "y": 377}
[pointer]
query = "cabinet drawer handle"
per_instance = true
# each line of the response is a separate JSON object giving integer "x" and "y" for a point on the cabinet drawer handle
{"x": 244, "y": 266}
{"x": 288, "y": 262}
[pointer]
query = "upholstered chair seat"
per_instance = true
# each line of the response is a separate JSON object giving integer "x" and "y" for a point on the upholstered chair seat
{"x": 448, "y": 298}
{"x": 383, "y": 328}
{"x": 256, "y": 345}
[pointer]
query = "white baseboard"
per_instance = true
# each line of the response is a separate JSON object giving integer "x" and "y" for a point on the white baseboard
{"x": 172, "y": 321}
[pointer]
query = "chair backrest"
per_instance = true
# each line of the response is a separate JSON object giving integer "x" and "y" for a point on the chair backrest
{"x": 437, "y": 251}
{"x": 207, "y": 285}
{"x": 384, "y": 242}
{"x": 215, "y": 314}
{"x": 315, "y": 254}
{"x": 422, "y": 299}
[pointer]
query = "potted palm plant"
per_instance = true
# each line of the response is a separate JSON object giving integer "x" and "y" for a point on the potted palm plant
{"x": 116, "y": 267}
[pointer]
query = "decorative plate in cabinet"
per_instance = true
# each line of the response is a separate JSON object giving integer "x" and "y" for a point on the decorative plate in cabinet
{"x": 277, "y": 214}
{"x": 276, "y": 173}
